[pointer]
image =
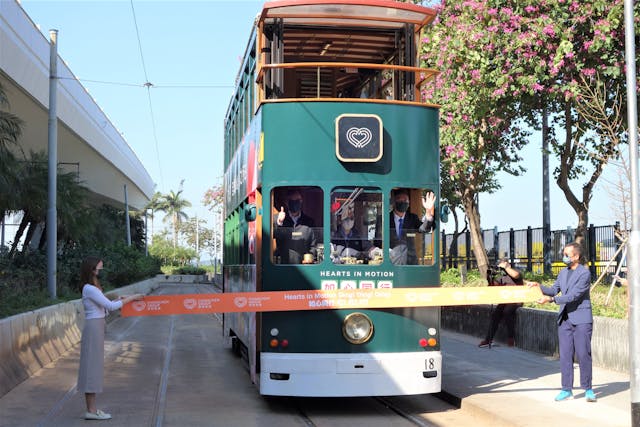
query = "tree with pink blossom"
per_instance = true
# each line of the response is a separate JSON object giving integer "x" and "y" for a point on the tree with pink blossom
{"x": 213, "y": 198}
{"x": 481, "y": 131}
{"x": 501, "y": 63}
{"x": 574, "y": 52}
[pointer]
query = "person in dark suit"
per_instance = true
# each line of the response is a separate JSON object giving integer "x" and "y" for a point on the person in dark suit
{"x": 293, "y": 231}
{"x": 575, "y": 320}
{"x": 404, "y": 225}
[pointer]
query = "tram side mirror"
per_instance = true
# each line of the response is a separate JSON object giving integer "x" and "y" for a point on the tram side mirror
{"x": 250, "y": 212}
{"x": 444, "y": 213}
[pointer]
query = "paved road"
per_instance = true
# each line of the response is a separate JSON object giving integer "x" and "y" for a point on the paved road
{"x": 176, "y": 371}
{"x": 509, "y": 386}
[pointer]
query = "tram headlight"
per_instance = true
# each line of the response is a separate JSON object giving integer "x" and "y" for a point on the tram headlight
{"x": 357, "y": 328}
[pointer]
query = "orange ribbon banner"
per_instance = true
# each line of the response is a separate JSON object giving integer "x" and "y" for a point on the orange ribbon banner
{"x": 158, "y": 305}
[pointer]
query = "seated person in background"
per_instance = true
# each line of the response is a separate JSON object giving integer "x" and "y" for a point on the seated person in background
{"x": 403, "y": 222}
{"x": 293, "y": 231}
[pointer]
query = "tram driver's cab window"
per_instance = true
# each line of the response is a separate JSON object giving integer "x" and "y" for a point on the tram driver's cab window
{"x": 356, "y": 222}
{"x": 296, "y": 215}
{"x": 411, "y": 226}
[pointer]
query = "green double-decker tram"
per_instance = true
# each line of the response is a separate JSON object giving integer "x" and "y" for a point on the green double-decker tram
{"x": 332, "y": 182}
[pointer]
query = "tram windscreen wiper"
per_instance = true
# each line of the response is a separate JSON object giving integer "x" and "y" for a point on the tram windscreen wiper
{"x": 352, "y": 197}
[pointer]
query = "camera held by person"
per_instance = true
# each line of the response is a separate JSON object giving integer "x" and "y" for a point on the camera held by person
{"x": 494, "y": 273}
{"x": 502, "y": 274}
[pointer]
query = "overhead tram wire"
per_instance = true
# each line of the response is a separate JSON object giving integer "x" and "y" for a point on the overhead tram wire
{"x": 153, "y": 86}
{"x": 194, "y": 87}
{"x": 148, "y": 86}
{"x": 153, "y": 127}
{"x": 101, "y": 82}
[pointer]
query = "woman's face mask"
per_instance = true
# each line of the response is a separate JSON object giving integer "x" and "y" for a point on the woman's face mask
{"x": 347, "y": 224}
{"x": 567, "y": 260}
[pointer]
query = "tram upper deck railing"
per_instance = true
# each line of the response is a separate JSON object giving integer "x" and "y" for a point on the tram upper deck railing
{"x": 343, "y": 81}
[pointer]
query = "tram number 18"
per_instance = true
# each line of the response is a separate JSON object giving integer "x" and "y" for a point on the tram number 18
{"x": 429, "y": 364}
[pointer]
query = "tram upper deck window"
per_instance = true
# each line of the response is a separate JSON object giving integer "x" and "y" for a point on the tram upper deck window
{"x": 411, "y": 235}
{"x": 356, "y": 222}
{"x": 297, "y": 225}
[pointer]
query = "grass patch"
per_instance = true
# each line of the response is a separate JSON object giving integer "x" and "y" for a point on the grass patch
{"x": 616, "y": 308}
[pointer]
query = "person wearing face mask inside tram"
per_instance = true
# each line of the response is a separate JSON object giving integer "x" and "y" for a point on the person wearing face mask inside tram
{"x": 404, "y": 224}
{"x": 346, "y": 242}
{"x": 293, "y": 231}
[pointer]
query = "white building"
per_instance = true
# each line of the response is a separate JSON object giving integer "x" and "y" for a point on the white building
{"x": 88, "y": 143}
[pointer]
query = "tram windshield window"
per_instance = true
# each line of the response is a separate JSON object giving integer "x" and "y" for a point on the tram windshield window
{"x": 411, "y": 226}
{"x": 356, "y": 222}
{"x": 297, "y": 225}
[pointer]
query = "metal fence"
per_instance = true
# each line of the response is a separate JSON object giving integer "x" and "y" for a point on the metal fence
{"x": 524, "y": 248}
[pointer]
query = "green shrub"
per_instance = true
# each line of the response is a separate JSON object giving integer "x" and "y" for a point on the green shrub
{"x": 187, "y": 269}
{"x": 124, "y": 265}
{"x": 453, "y": 277}
{"x": 171, "y": 256}
{"x": 23, "y": 277}
{"x": 210, "y": 268}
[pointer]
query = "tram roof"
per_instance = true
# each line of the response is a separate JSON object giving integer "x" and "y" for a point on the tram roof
{"x": 358, "y": 13}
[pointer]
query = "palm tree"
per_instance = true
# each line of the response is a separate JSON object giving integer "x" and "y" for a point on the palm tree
{"x": 10, "y": 126}
{"x": 74, "y": 221}
{"x": 31, "y": 196}
{"x": 156, "y": 203}
{"x": 10, "y": 131}
{"x": 173, "y": 206}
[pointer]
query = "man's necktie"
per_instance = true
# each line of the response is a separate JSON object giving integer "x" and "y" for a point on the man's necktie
{"x": 400, "y": 220}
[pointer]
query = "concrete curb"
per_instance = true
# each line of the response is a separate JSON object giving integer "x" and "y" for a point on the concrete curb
{"x": 31, "y": 340}
{"x": 537, "y": 331}
{"x": 477, "y": 410}
{"x": 182, "y": 278}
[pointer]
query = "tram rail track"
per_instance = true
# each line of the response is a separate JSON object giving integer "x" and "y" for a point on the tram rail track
{"x": 160, "y": 368}
{"x": 300, "y": 407}
{"x": 407, "y": 416}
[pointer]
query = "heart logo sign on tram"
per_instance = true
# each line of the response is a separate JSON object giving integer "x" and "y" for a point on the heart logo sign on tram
{"x": 139, "y": 305}
{"x": 240, "y": 301}
{"x": 359, "y": 137}
{"x": 189, "y": 303}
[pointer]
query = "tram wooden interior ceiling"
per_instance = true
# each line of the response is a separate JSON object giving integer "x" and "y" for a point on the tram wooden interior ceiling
{"x": 335, "y": 45}
{"x": 341, "y": 31}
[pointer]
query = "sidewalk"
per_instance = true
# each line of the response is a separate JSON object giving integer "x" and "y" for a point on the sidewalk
{"x": 512, "y": 387}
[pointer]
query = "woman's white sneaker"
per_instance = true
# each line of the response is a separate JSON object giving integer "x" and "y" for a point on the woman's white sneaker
{"x": 99, "y": 415}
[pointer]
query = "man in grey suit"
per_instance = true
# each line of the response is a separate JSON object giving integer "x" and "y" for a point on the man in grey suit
{"x": 575, "y": 320}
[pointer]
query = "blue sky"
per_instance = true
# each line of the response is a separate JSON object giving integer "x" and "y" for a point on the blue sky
{"x": 200, "y": 43}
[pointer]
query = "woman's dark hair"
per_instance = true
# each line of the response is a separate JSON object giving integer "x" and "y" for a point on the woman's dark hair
{"x": 88, "y": 272}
